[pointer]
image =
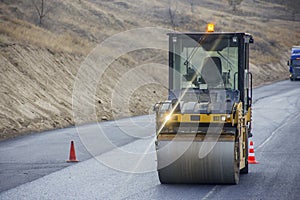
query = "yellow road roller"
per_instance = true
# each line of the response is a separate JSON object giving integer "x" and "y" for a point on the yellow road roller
{"x": 202, "y": 130}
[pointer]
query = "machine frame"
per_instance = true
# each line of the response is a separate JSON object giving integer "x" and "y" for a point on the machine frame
{"x": 174, "y": 126}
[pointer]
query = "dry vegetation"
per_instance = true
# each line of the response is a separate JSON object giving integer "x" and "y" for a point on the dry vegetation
{"x": 38, "y": 62}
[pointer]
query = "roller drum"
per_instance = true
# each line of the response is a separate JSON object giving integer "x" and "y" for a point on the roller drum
{"x": 179, "y": 162}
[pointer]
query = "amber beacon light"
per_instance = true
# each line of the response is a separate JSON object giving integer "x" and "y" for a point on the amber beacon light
{"x": 210, "y": 28}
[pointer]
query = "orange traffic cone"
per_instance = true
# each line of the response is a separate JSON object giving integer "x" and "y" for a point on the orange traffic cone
{"x": 251, "y": 156}
{"x": 72, "y": 157}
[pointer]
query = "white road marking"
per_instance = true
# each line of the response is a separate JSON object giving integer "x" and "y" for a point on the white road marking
{"x": 209, "y": 193}
{"x": 275, "y": 131}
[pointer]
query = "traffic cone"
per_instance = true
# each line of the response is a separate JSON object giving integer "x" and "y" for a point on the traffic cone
{"x": 251, "y": 156}
{"x": 72, "y": 157}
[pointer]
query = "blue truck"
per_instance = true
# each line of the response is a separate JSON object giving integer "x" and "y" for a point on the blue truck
{"x": 294, "y": 63}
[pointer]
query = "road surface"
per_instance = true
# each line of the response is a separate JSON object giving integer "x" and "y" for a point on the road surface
{"x": 34, "y": 167}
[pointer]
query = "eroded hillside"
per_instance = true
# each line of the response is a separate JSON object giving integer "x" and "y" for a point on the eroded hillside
{"x": 39, "y": 62}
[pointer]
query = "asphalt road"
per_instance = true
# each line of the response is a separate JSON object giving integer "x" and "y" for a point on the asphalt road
{"x": 34, "y": 167}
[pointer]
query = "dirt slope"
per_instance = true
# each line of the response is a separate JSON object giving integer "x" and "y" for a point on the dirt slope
{"x": 39, "y": 63}
{"x": 33, "y": 94}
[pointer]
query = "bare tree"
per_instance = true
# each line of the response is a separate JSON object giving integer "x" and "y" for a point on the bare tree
{"x": 41, "y": 9}
{"x": 234, "y": 3}
{"x": 172, "y": 14}
{"x": 192, "y": 4}
{"x": 293, "y": 8}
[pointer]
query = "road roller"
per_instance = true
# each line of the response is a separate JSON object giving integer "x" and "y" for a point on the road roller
{"x": 202, "y": 129}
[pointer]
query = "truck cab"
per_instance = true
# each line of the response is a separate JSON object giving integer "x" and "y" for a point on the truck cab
{"x": 294, "y": 64}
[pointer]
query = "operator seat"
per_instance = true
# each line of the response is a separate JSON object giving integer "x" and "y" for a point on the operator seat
{"x": 211, "y": 72}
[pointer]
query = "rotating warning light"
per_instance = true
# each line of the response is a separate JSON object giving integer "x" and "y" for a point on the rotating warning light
{"x": 210, "y": 28}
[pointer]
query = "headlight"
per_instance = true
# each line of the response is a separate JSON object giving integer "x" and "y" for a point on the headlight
{"x": 223, "y": 118}
{"x": 168, "y": 117}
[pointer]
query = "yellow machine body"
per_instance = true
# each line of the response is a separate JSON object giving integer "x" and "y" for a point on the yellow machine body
{"x": 203, "y": 128}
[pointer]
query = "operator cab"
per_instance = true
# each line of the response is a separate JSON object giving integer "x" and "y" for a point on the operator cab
{"x": 209, "y": 72}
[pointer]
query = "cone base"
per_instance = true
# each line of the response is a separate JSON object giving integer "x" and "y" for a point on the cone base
{"x": 253, "y": 162}
{"x": 72, "y": 161}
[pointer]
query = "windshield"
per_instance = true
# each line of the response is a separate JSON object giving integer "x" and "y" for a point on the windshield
{"x": 209, "y": 63}
{"x": 296, "y": 62}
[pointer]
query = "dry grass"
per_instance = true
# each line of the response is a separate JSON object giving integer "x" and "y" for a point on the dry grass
{"x": 77, "y": 26}
{"x": 25, "y": 32}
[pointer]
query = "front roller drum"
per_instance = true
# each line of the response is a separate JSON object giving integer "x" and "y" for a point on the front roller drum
{"x": 178, "y": 166}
